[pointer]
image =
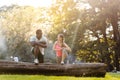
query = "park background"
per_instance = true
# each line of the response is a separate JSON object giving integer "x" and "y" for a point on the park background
{"x": 91, "y": 28}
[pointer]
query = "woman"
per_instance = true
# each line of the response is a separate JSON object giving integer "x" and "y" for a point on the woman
{"x": 61, "y": 49}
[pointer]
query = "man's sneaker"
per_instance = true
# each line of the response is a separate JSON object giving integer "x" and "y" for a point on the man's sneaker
{"x": 36, "y": 61}
{"x": 62, "y": 63}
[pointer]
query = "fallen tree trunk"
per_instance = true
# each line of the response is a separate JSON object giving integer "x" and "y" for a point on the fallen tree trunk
{"x": 82, "y": 69}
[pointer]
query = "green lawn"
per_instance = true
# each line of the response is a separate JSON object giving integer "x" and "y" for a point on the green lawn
{"x": 109, "y": 76}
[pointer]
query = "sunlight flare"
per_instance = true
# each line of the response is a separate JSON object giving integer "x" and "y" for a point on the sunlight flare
{"x": 34, "y": 3}
{"x": 37, "y": 3}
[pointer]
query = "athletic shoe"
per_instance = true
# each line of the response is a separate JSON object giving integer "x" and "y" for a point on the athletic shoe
{"x": 36, "y": 61}
{"x": 62, "y": 63}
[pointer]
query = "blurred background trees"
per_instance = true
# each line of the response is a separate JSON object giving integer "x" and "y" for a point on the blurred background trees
{"x": 91, "y": 29}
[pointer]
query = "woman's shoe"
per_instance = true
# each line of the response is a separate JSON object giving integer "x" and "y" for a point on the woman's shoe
{"x": 62, "y": 63}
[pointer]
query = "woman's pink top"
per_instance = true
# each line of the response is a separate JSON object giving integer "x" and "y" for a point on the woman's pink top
{"x": 58, "y": 52}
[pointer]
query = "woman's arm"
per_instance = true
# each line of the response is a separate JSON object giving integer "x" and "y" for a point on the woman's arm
{"x": 54, "y": 46}
{"x": 67, "y": 47}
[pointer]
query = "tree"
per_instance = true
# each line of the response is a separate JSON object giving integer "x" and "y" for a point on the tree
{"x": 109, "y": 10}
{"x": 18, "y": 24}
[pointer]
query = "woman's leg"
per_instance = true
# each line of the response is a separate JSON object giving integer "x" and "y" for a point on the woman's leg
{"x": 58, "y": 59}
{"x": 64, "y": 55}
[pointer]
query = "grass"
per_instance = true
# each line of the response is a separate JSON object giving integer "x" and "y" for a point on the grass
{"x": 109, "y": 76}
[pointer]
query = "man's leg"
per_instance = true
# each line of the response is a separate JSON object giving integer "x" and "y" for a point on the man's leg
{"x": 40, "y": 57}
{"x": 36, "y": 52}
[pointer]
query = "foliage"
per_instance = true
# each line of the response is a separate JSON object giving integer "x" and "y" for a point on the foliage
{"x": 18, "y": 24}
{"x": 92, "y": 32}
{"x": 99, "y": 27}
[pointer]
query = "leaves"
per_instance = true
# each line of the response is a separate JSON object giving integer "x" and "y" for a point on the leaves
{"x": 88, "y": 31}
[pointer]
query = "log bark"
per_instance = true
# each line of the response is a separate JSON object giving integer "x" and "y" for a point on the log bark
{"x": 82, "y": 69}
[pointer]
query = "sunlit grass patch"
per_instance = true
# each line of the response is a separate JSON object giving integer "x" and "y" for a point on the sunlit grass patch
{"x": 109, "y": 76}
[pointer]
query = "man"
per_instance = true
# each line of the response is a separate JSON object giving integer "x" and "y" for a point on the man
{"x": 38, "y": 42}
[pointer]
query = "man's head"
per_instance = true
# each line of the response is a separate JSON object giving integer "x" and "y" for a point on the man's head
{"x": 39, "y": 33}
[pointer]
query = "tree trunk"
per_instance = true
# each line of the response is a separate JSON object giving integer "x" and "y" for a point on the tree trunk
{"x": 82, "y": 69}
{"x": 114, "y": 20}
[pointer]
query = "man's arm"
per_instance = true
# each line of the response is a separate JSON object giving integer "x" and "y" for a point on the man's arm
{"x": 42, "y": 44}
{"x": 33, "y": 43}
